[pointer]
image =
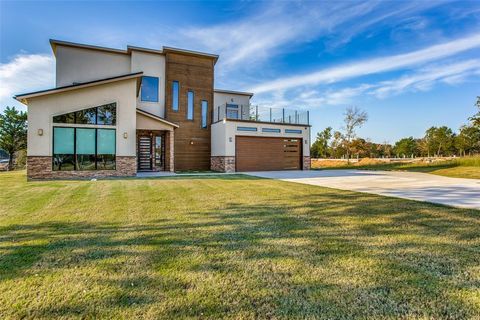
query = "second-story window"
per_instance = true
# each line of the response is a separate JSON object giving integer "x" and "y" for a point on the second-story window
{"x": 190, "y": 105}
{"x": 175, "y": 89}
{"x": 149, "y": 89}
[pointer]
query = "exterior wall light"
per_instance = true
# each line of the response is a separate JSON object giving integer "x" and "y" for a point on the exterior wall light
{"x": 191, "y": 141}
{"x": 230, "y": 139}
{"x": 40, "y": 132}
{"x": 125, "y": 135}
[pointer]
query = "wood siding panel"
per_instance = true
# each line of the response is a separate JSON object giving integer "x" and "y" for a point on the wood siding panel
{"x": 262, "y": 154}
{"x": 192, "y": 142}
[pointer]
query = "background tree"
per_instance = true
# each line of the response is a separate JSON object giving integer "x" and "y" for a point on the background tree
{"x": 13, "y": 132}
{"x": 468, "y": 140}
{"x": 354, "y": 119}
{"x": 337, "y": 145}
{"x": 320, "y": 146}
{"x": 475, "y": 119}
{"x": 406, "y": 147}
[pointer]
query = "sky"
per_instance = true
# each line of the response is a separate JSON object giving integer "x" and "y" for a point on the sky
{"x": 409, "y": 64}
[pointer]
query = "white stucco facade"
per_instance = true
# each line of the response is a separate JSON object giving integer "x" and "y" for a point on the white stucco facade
{"x": 42, "y": 109}
{"x": 152, "y": 65}
{"x": 225, "y": 132}
{"x": 76, "y": 65}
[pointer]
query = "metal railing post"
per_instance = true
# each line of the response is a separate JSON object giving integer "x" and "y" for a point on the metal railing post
{"x": 256, "y": 113}
{"x": 296, "y": 119}
{"x": 270, "y": 114}
{"x": 283, "y": 115}
{"x": 308, "y": 117}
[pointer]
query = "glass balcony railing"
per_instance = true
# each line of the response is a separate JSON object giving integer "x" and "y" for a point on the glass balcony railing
{"x": 260, "y": 114}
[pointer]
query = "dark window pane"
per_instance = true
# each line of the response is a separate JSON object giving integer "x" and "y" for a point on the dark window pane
{"x": 175, "y": 90}
{"x": 106, "y": 162}
{"x": 85, "y": 161}
{"x": 149, "y": 89}
{"x": 63, "y": 162}
{"x": 87, "y": 116}
{"x": 190, "y": 105}
{"x": 107, "y": 114}
{"x": 65, "y": 118}
{"x": 204, "y": 113}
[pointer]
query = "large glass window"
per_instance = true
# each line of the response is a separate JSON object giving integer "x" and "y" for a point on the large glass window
{"x": 101, "y": 115}
{"x": 190, "y": 105}
{"x": 63, "y": 149}
{"x": 175, "y": 90}
{"x": 149, "y": 89}
{"x": 105, "y": 149}
{"x": 204, "y": 113}
{"x": 83, "y": 149}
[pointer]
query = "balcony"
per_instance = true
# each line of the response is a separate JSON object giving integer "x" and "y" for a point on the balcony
{"x": 260, "y": 114}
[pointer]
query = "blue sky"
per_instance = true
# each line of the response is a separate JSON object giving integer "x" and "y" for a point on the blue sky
{"x": 410, "y": 65}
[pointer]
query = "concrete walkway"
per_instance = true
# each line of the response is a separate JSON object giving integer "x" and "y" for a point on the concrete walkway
{"x": 464, "y": 193}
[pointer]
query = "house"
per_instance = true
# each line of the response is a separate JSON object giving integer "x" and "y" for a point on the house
{"x": 117, "y": 112}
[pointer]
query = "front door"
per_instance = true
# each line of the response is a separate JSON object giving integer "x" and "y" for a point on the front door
{"x": 145, "y": 153}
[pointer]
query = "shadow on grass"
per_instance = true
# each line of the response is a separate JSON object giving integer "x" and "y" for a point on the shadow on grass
{"x": 326, "y": 254}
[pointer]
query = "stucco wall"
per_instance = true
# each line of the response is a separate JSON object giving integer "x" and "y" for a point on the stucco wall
{"x": 42, "y": 109}
{"x": 220, "y": 99}
{"x": 152, "y": 65}
{"x": 224, "y": 133}
{"x": 83, "y": 65}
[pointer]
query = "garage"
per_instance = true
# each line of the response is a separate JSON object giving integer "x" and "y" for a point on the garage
{"x": 267, "y": 154}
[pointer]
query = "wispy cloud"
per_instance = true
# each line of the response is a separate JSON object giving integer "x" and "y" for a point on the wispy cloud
{"x": 422, "y": 80}
{"x": 372, "y": 66}
{"x": 25, "y": 72}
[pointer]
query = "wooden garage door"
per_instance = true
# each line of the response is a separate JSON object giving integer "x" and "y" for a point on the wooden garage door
{"x": 261, "y": 154}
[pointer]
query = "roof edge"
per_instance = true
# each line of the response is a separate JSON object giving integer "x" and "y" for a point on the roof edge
{"x": 153, "y": 116}
{"x": 24, "y": 96}
{"x": 243, "y": 93}
{"x": 191, "y": 52}
{"x": 54, "y": 43}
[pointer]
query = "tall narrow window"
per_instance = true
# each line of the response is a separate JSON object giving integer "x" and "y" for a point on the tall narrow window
{"x": 204, "y": 113}
{"x": 105, "y": 149}
{"x": 85, "y": 149}
{"x": 149, "y": 89}
{"x": 190, "y": 105}
{"x": 175, "y": 89}
{"x": 63, "y": 149}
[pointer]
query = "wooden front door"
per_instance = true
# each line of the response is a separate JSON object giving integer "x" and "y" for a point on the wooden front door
{"x": 145, "y": 153}
{"x": 262, "y": 153}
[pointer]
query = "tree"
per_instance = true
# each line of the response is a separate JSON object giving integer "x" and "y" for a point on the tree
{"x": 13, "y": 132}
{"x": 354, "y": 119}
{"x": 320, "y": 146}
{"x": 475, "y": 119}
{"x": 440, "y": 140}
{"x": 336, "y": 145}
{"x": 406, "y": 147}
{"x": 468, "y": 140}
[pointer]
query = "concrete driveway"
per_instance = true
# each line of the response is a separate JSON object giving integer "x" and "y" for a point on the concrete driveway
{"x": 464, "y": 193}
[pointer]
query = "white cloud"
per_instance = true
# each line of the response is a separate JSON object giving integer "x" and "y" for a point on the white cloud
{"x": 24, "y": 73}
{"x": 422, "y": 80}
{"x": 372, "y": 66}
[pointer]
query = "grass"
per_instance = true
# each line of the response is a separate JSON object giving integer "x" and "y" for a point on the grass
{"x": 467, "y": 167}
{"x": 230, "y": 247}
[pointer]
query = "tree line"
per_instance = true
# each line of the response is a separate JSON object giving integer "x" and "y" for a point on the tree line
{"x": 437, "y": 141}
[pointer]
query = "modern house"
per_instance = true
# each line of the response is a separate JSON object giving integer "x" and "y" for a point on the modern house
{"x": 118, "y": 112}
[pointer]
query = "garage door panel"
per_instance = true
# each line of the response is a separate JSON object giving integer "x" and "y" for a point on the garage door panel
{"x": 261, "y": 154}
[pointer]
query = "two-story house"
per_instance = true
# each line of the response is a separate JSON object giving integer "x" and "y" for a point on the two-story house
{"x": 118, "y": 112}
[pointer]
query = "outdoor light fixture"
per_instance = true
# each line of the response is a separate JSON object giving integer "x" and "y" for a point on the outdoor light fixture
{"x": 191, "y": 141}
{"x": 40, "y": 132}
{"x": 230, "y": 139}
{"x": 125, "y": 135}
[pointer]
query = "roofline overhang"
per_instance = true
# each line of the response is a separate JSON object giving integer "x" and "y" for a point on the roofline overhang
{"x": 23, "y": 98}
{"x": 54, "y": 43}
{"x": 250, "y": 94}
{"x": 155, "y": 117}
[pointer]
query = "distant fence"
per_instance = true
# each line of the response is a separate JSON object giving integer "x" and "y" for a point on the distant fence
{"x": 389, "y": 160}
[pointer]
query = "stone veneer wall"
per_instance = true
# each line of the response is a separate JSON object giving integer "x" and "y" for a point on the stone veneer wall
{"x": 306, "y": 163}
{"x": 39, "y": 167}
{"x": 222, "y": 164}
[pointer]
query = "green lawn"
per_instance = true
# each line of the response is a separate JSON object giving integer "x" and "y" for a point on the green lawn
{"x": 230, "y": 247}
{"x": 468, "y": 167}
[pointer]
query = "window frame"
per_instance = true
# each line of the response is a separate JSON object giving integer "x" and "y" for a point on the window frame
{"x": 157, "y": 91}
{"x": 192, "y": 104}
{"x": 175, "y": 97}
{"x": 204, "y": 117}
{"x": 75, "y": 146}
